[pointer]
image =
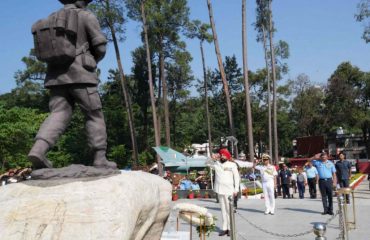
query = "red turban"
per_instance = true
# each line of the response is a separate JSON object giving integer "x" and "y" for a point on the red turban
{"x": 224, "y": 152}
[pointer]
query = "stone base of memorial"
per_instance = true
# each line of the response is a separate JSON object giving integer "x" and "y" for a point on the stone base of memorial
{"x": 124, "y": 206}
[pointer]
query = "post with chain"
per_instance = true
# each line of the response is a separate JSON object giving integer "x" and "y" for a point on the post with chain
{"x": 232, "y": 218}
{"x": 342, "y": 219}
{"x": 347, "y": 192}
{"x": 319, "y": 229}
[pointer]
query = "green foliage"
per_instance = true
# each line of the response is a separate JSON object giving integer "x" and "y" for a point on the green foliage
{"x": 35, "y": 70}
{"x": 60, "y": 158}
{"x": 18, "y": 126}
{"x": 343, "y": 96}
{"x": 146, "y": 158}
{"x": 252, "y": 191}
{"x": 262, "y": 23}
{"x": 110, "y": 14}
{"x": 199, "y": 30}
{"x": 29, "y": 92}
{"x": 355, "y": 177}
{"x": 363, "y": 15}
{"x": 206, "y": 229}
{"x": 307, "y": 112}
{"x": 118, "y": 154}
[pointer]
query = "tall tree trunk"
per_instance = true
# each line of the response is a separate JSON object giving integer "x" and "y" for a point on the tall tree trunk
{"x": 165, "y": 99}
{"x": 246, "y": 85}
{"x": 145, "y": 129}
{"x": 222, "y": 71}
{"x": 173, "y": 120}
{"x": 274, "y": 83}
{"x": 206, "y": 99}
{"x": 125, "y": 92}
{"x": 268, "y": 90}
{"x": 151, "y": 89}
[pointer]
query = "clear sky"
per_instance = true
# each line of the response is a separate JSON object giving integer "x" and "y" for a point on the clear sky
{"x": 321, "y": 34}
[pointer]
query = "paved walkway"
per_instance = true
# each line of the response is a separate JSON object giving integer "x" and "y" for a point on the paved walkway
{"x": 292, "y": 216}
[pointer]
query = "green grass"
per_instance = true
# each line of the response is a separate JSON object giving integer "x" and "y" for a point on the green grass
{"x": 251, "y": 191}
{"x": 355, "y": 176}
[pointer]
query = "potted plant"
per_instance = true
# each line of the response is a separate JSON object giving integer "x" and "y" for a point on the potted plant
{"x": 191, "y": 194}
{"x": 197, "y": 194}
{"x": 175, "y": 196}
{"x": 206, "y": 194}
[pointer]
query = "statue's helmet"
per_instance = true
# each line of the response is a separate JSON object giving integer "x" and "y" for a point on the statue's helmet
{"x": 73, "y": 1}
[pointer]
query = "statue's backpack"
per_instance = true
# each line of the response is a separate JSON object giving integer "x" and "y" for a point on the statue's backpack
{"x": 55, "y": 37}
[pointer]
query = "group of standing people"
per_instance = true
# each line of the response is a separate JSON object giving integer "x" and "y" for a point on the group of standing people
{"x": 318, "y": 170}
{"x": 291, "y": 180}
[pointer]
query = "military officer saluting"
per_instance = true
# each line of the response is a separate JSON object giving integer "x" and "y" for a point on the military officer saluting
{"x": 327, "y": 179}
{"x": 226, "y": 184}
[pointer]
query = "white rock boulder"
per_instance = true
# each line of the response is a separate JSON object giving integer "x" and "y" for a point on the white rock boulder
{"x": 131, "y": 205}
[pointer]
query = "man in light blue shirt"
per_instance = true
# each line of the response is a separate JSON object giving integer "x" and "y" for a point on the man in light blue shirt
{"x": 312, "y": 179}
{"x": 327, "y": 179}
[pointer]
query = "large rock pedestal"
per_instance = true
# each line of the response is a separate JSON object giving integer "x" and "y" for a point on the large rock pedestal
{"x": 132, "y": 205}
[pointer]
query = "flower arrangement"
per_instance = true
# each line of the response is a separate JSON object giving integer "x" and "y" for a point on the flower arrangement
{"x": 207, "y": 228}
{"x": 191, "y": 194}
{"x": 206, "y": 194}
{"x": 175, "y": 196}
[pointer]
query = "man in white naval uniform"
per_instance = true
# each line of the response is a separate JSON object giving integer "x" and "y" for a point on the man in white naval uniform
{"x": 226, "y": 184}
{"x": 268, "y": 174}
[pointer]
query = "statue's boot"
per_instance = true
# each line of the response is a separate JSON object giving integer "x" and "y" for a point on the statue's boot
{"x": 100, "y": 160}
{"x": 37, "y": 155}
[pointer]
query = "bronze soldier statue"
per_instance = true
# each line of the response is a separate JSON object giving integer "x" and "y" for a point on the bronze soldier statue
{"x": 70, "y": 41}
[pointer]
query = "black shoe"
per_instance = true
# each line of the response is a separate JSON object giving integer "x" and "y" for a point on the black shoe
{"x": 330, "y": 213}
{"x": 324, "y": 213}
{"x": 223, "y": 233}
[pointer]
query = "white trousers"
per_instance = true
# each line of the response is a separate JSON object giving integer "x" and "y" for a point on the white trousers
{"x": 269, "y": 194}
{"x": 225, "y": 210}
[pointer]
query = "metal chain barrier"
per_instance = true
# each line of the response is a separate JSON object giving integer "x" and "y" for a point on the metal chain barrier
{"x": 283, "y": 235}
{"x": 342, "y": 222}
{"x": 341, "y": 233}
{"x": 332, "y": 218}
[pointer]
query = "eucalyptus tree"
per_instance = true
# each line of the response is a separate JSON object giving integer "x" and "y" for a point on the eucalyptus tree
{"x": 200, "y": 30}
{"x": 222, "y": 70}
{"x": 179, "y": 77}
{"x": 363, "y": 15}
{"x": 246, "y": 85}
{"x": 110, "y": 16}
{"x": 234, "y": 75}
{"x": 165, "y": 19}
{"x": 141, "y": 94}
{"x": 262, "y": 25}
{"x": 274, "y": 86}
{"x": 150, "y": 80}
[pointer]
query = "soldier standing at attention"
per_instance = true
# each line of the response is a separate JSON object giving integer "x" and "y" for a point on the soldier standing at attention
{"x": 268, "y": 173}
{"x": 312, "y": 178}
{"x": 327, "y": 179}
{"x": 71, "y": 82}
